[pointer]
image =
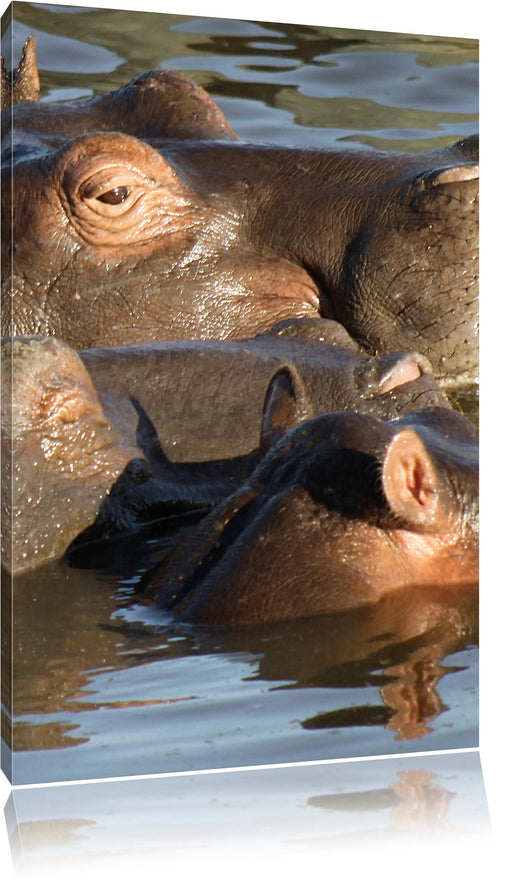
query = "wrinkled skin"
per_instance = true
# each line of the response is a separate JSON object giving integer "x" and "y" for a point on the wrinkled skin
{"x": 139, "y": 215}
{"x": 343, "y": 510}
{"x": 64, "y": 467}
{"x": 214, "y": 391}
{"x": 123, "y": 442}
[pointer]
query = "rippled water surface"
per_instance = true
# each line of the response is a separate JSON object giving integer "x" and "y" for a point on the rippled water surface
{"x": 102, "y": 686}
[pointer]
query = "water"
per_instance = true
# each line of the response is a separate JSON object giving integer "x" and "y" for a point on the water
{"x": 102, "y": 685}
{"x": 313, "y": 813}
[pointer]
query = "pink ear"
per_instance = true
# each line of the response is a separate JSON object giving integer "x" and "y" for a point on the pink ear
{"x": 285, "y": 406}
{"x": 411, "y": 483}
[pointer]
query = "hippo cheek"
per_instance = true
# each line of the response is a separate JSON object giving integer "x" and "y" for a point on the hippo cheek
{"x": 88, "y": 221}
{"x": 51, "y": 388}
{"x": 57, "y": 410}
{"x": 425, "y": 304}
{"x": 413, "y": 282}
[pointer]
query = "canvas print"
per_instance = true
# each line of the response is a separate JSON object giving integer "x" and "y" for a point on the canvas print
{"x": 239, "y": 393}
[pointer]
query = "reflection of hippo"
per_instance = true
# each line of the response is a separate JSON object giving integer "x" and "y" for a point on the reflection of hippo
{"x": 397, "y": 643}
{"x": 163, "y": 224}
{"x": 343, "y": 509}
{"x": 150, "y": 435}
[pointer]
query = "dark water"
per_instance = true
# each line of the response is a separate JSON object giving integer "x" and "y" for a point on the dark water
{"x": 102, "y": 686}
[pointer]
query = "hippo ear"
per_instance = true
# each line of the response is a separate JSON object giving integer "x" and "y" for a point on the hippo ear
{"x": 411, "y": 483}
{"x": 285, "y": 406}
{"x": 23, "y": 84}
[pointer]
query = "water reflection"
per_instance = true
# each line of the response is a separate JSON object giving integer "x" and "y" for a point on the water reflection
{"x": 363, "y": 682}
{"x": 398, "y": 645}
{"x": 386, "y": 90}
{"x": 292, "y": 812}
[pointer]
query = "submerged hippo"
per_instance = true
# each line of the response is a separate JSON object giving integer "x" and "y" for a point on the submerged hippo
{"x": 344, "y": 509}
{"x": 140, "y": 215}
{"x": 163, "y": 428}
{"x": 64, "y": 467}
{"x": 202, "y": 401}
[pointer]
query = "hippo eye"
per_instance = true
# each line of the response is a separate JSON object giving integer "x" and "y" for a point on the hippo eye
{"x": 114, "y": 196}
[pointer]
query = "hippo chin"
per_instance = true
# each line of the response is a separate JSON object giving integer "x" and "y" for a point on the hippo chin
{"x": 343, "y": 510}
{"x": 139, "y": 215}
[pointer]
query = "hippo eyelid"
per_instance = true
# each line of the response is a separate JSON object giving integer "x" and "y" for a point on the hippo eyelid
{"x": 111, "y": 184}
{"x": 115, "y": 196}
{"x": 108, "y": 194}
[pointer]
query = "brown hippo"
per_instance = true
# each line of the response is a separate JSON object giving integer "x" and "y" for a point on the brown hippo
{"x": 143, "y": 432}
{"x": 138, "y": 215}
{"x": 64, "y": 467}
{"x": 344, "y": 509}
{"x": 202, "y": 401}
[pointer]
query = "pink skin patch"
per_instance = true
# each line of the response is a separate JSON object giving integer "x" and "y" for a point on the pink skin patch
{"x": 404, "y": 371}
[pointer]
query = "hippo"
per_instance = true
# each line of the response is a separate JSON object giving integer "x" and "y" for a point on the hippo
{"x": 140, "y": 215}
{"x": 21, "y": 84}
{"x": 118, "y": 436}
{"x": 214, "y": 391}
{"x": 343, "y": 510}
{"x": 64, "y": 467}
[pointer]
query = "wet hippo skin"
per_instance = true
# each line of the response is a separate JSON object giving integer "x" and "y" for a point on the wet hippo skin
{"x": 202, "y": 401}
{"x": 160, "y": 429}
{"x": 170, "y": 227}
{"x": 65, "y": 469}
{"x": 343, "y": 509}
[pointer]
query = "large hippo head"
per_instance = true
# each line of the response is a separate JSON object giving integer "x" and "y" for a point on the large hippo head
{"x": 343, "y": 510}
{"x": 139, "y": 215}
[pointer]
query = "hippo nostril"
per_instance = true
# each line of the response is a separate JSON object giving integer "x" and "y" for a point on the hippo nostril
{"x": 453, "y": 174}
{"x": 405, "y": 370}
{"x": 380, "y": 376}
